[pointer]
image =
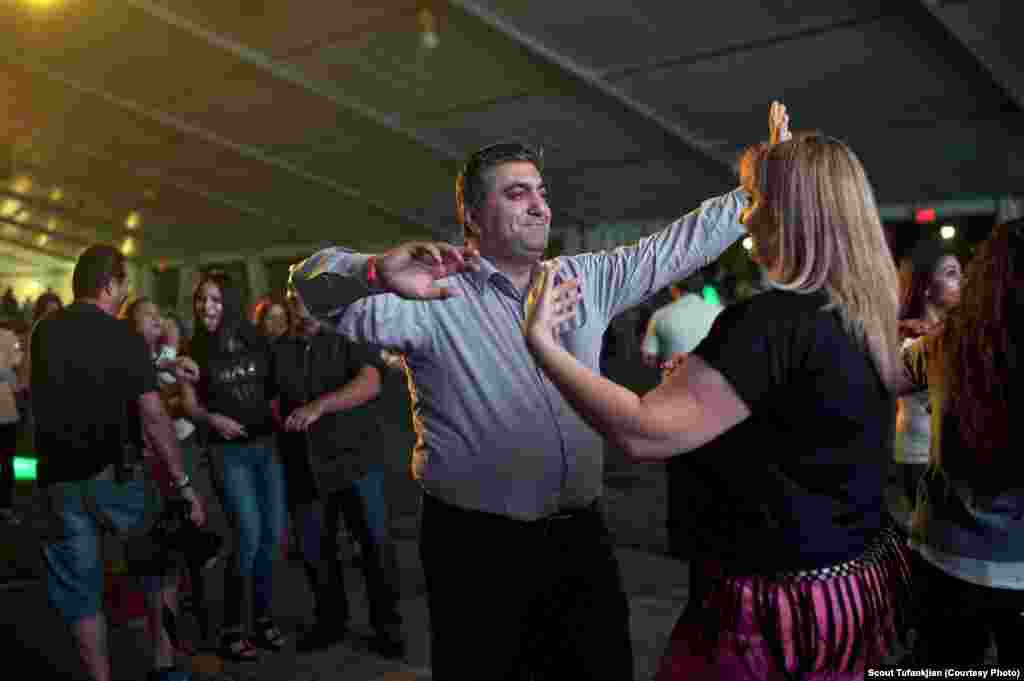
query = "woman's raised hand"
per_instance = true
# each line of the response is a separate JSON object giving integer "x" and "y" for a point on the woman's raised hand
{"x": 778, "y": 123}
{"x": 549, "y": 305}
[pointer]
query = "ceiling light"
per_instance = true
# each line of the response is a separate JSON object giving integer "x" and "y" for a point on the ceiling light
{"x": 128, "y": 247}
{"x": 9, "y": 208}
{"x": 133, "y": 219}
{"x": 22, "y": 184}
{"x": 748, "y": 243}
{"x": 43, "y": 239}
{"x": 57, "y": 194}
{"x": 948, "y": 231}
{"x": 23, "y": 216}
{"x": 428, "y": 28}
{"x": 52, "y": 224}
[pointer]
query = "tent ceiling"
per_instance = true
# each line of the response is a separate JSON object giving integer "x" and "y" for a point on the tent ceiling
{"x": 249, "y": 124}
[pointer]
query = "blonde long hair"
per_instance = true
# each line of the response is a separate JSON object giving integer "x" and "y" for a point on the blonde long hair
{"x": 816, "y": 223}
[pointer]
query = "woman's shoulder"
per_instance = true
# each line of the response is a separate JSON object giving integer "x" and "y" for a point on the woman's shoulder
{"x": 784, "y": 298}
{"x": 774, "y": 306}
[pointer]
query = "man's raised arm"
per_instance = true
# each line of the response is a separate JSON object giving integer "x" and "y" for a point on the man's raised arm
{"x": 627, "y": 276}
{"x": 338, "y": 286}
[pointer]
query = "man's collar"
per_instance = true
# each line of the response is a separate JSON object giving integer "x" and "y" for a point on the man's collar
{"x": 482, "y": 276}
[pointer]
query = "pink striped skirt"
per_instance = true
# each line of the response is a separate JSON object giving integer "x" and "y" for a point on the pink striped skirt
{"x": 829, "y": 623}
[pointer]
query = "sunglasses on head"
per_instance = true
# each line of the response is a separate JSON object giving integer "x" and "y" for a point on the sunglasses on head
{"x": 503, "y": 149}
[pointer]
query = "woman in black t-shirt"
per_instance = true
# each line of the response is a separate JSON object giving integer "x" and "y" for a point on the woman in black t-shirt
{"x": 786, "y": 412}
{"x": 233, "y": 400}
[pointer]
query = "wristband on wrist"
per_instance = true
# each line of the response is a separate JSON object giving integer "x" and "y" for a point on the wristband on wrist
{"x": 371, "y": 271}
{"x": 185, "y": 482}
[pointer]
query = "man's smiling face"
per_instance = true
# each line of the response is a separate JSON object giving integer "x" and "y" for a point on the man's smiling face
{"x": 514, "y": 219}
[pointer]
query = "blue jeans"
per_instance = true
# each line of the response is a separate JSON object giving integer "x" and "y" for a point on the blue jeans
{"x": 74, "y": 566}
{"x": 369, "y": 493}
{"x": 366, "y": 514}
{"x": 251, "y": 483}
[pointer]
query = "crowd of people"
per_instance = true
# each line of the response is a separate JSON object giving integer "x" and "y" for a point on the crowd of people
{"x": 280, "y": 419}
{"x": 779, "y": 415}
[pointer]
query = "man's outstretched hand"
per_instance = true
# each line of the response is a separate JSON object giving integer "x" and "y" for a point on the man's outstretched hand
{"x": 411, "y": 270}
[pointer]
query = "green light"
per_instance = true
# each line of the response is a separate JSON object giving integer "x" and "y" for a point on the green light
{"x": 24, "y": 468}
{"x": 710, "y": 295}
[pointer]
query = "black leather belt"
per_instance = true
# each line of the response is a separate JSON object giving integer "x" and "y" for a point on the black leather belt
{"x": 544, "y": 523}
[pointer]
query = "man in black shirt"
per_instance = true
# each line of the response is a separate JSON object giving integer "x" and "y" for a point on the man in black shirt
{"x": 89, "y": 372}
{"x": 325, "y": 382}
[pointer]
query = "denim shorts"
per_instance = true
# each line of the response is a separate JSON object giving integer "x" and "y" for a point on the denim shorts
{"x": 74, "y": 566}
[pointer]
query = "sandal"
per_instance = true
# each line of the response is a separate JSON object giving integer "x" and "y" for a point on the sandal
{"x": 236, "y": 647}
{"x": 268, "y": 636}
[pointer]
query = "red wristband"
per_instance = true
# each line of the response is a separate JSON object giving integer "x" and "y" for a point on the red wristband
{"x": 371, "y": 270}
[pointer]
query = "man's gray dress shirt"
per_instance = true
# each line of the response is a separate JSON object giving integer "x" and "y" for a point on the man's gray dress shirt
{"x": 493, "y": 432}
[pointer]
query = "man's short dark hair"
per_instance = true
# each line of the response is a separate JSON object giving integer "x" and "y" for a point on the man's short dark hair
{"x": 96, "y": 267}
{"x": 471, "y": 184}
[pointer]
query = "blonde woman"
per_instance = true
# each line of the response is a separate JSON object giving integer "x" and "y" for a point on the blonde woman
{"x": 786, "y": 412}
{"x": 161, "y": 591}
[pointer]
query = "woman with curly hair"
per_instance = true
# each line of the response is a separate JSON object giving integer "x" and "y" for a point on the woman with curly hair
{"x": 968, "y": 527}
